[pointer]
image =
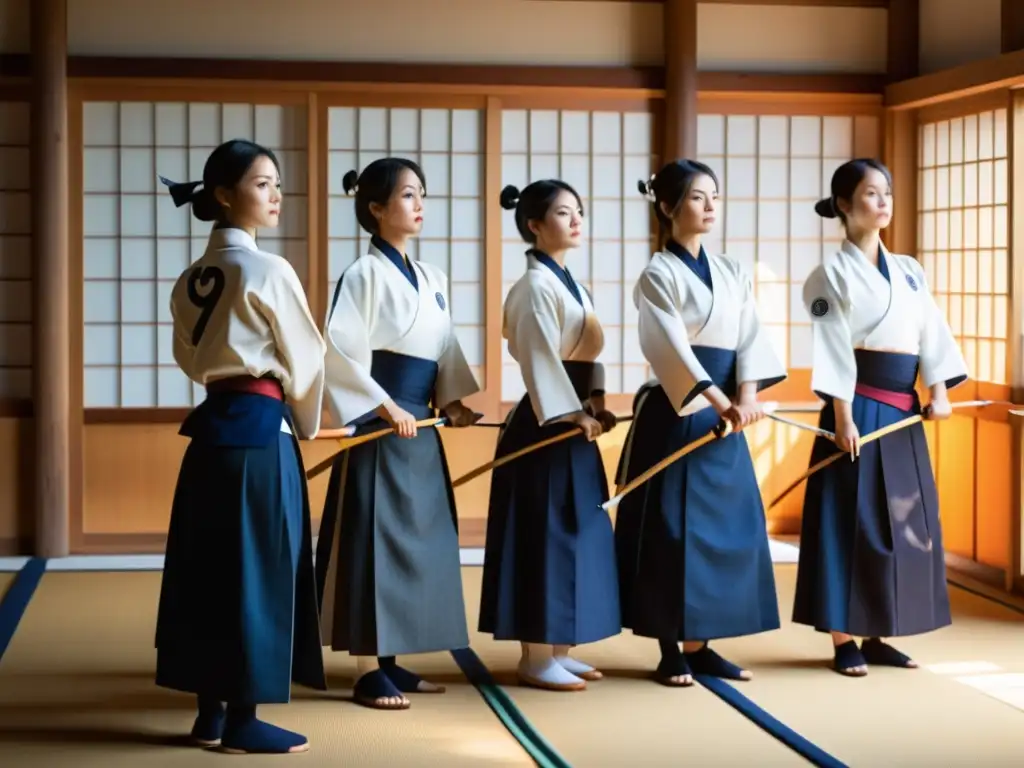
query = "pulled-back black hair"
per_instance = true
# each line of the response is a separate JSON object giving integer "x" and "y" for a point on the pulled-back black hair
{"x": 671, "y": 184}
{"x": 534, "y": 203}
{"x": 225, "y": 167}
{"x": 376, "y": 184}
{"x": 845, "y": 180}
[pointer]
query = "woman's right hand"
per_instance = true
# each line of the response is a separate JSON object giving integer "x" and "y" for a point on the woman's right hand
{"x": 591, "y": 427}
{"x": 401, "y": 421}
{"x": 724, "y": 407}
{"x": 848, "y": 438}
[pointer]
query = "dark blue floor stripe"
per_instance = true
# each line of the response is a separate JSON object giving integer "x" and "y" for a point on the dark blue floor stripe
{"x": 766, "y": 722}
{"x": 15, "y": 601}
{"x": 543, "y": 754}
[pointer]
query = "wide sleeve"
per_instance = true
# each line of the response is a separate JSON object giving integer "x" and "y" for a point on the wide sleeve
{"x": 756, "y": 360}
{"x": 351, "y": 391}
{"x": 533, "y": 327}
{"x": 665, "y": 342}
{"x": 455, "y": 379}
{"x": 942, "y": 362}
{"x": 300, "y": 348}
{"x": 834, "y": 367}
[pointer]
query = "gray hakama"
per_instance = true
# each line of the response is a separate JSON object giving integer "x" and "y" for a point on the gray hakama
{"x": 388, "y": 555}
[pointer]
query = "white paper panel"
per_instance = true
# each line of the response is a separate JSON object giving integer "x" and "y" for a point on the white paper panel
{"x": 772, "y": 169}
{"x": 963, "y": 233}
{"x": 602, "y": 155}
{"x": 136, "y": 243}
{"x": 449, "y": 146}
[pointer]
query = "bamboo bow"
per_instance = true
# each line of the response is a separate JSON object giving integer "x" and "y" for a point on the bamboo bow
{"x": 354, "y": 440}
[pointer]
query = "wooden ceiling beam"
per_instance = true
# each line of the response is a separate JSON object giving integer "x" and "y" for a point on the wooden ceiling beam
{"x": 798, "y": 3}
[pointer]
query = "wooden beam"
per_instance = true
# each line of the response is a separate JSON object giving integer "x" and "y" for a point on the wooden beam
{"x": 1003, "y": 71}
{"x": 486, "y": 79}
{"x": 680, "y": 31}
{"x": 51, "y": 344}
{"x": 797, "y": 3}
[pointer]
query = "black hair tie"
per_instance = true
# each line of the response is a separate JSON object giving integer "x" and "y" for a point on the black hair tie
{"x": 183, "y": 192}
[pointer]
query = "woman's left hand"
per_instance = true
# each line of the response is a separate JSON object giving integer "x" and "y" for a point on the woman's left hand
{"x": 939, "y": 409}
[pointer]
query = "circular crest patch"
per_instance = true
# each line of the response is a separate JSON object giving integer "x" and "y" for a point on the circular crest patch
{"x": 440, "y": 299}
{"x": 912, "y": 282}
{"x": 819, "y": 307}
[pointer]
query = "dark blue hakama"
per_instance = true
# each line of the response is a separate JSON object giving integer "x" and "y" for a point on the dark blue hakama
{"x": 692, "y": 544}
{"x": 396, "y": 584}
{"x": 238, "y": 618}
{"x": 871, "y": 556}
{"x": 549, "y": 567}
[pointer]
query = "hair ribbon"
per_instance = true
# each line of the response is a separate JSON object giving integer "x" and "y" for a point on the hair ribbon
{"x": 648, "y": 192}
{"x": 182, "y": 193}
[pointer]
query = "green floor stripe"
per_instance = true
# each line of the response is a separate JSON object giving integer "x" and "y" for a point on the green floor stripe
{"x": 543, "y": 754}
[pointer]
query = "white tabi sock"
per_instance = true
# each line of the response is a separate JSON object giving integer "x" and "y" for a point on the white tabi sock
{"x": 577, "y": 667}
{"x": 539, "y": 664}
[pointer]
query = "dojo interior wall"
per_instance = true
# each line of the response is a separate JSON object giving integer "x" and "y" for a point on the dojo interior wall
{"x": 965, "y": 190}
{"x": 773, "y": 150}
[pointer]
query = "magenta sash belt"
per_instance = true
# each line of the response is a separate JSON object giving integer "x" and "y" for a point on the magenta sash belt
{"x": 901, "y": 400}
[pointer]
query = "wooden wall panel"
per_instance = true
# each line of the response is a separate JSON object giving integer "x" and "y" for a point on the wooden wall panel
{"x": 955, "y": 479}
{"x": 15, "y": 485}
{"x": 130, "y": 471}
{"x": 994, "y": 493}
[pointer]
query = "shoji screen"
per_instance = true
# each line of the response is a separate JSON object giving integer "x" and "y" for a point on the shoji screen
{"x": 15, "y": 263}
{"x": 772, "y": 169}
{"x": 136, "y": 243}
{"x": 448, "y": 144}
{"x": 962, "y": 202}
{"x": 602, "y": 155}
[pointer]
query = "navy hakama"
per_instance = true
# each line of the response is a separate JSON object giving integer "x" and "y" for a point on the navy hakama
{"x": 692, "y": 545}
{"x": 238, "y": 618}
{"x": 387, "y": 565}
{"x": 871, "y": 555}
{"x": 549, "y": 568}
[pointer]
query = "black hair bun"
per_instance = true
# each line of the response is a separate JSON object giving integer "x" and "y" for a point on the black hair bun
{"x": 348, "y": 182}
{"x": 825, "y": 208}
{"x": 642, "y": 186}
{"x": 509, "y": 197}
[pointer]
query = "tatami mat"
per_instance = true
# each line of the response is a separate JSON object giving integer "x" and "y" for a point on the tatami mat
{"x": 626, "y": 719}
{"x": 893, "y": 717}
{"x": 76, "y": 690}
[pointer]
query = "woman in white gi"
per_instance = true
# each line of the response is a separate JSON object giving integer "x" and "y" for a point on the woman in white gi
{"x": 238, "y": 617}
{"x": 871, "y": 556}
{"x": 694, "y": 562}
{"x": 549, "y": 568}
{"x": 388, "y": 553}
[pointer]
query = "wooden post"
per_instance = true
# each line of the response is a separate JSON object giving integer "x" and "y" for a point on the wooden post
{"x": 900, "y": 144}
{"x": 1012, "y": 26}
{"x": 51, "y": 355}
{"x": 680, "y": 30}
{"x": 904, "y": 43}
